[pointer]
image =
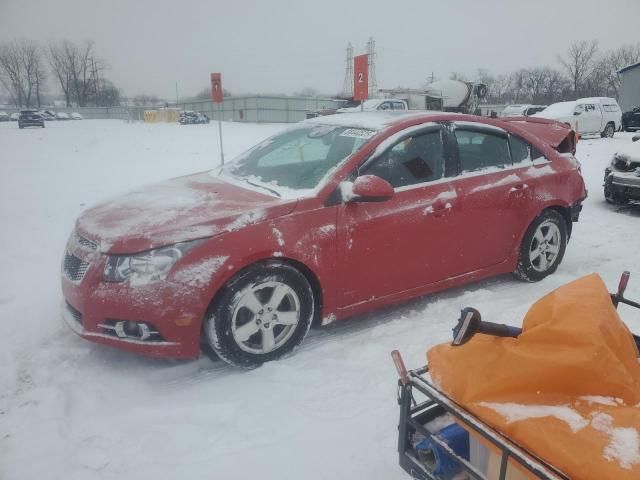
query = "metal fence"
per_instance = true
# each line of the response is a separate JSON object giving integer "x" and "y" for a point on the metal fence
{"x": 272, "y": 109}
{"x": 262, "y": 108}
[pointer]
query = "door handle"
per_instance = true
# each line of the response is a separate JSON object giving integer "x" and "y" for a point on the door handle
{"x": 518, "y": 190}
{"x": 441, "y": 208}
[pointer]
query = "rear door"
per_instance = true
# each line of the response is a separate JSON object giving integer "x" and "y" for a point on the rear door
{"x": 493, "y": 197}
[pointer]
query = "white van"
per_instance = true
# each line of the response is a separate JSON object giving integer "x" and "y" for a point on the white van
{"x": 594, "y": 115}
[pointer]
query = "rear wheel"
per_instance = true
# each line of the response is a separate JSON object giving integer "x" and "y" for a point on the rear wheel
{"x": 608, "y": 131}
{"x": 261, "y": 315}
{"x": 543, "y": 247}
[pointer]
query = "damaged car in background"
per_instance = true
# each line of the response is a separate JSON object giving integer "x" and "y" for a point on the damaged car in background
{"x": 334, "y": 217}
{"x": 622, "y": 176}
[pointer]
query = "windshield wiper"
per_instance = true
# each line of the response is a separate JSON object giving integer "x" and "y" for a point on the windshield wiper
{"x": 262, "y": 186}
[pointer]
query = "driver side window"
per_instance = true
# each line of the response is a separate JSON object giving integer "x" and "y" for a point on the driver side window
{"x": 415, "y": 159}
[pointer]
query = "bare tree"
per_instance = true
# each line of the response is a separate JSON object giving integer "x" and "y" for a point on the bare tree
{"x": 80, "y": 73}
{"x": 611, "y": 62}
{"x": 21, "y": 71}
{"x": 11, "y": 72}
{"x": 579, "y": 63}
{"x": 60, "y": 65}
{"x": 500, "y": 86}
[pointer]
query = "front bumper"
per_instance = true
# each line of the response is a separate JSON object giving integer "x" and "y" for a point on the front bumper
{"x": 156, "y": 349}
{"x": 170, "y": 312}
{"x": 625, "y": 185}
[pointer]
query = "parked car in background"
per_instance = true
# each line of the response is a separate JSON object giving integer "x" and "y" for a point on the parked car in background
{"x": 595, "y": 115}
{"x": 48, "y": 115}
{"x": 189, "y": 117}
{"x": 377, "y": 104}
{"x": 334, "y": 217}
{"x": 631, "y": 120}
{"x": 4, "y": 117}
{"x": 524, "y": 110}
{"x": 15, "y": 116}
{"x": 62, "y": 116}
{"x": 622, "y": 176}
{"x": 76, "y": 116}
{"x": 30, "y": 118}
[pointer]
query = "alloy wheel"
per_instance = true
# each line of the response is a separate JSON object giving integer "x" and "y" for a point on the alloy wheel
{"x": 545, "y": 246}
{"x": 265, "y": 317}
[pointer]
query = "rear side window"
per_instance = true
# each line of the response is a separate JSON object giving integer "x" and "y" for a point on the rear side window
{"x": 478, "y": 150}
{"x": 610, "y": 108}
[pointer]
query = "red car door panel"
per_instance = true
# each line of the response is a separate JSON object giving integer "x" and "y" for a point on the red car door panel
{"x": 392, "y": 246}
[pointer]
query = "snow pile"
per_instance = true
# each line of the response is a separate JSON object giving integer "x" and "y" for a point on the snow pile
{"x": 628, "y": 152}
{"x": 513, "y": 412}
{"x": 73, "y": 409}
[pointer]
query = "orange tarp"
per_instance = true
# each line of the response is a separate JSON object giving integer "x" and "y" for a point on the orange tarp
{"x": 568, "y": 388}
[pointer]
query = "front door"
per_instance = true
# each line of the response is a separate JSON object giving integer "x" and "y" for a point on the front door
{"x": 402, "y": 243}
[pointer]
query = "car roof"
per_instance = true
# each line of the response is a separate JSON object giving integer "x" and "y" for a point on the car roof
{"x": 376, "y": 120}
{"x": 596, "y": 99}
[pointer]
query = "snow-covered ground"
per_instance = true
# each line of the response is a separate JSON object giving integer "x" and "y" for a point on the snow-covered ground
{"x": 74, "y": 410}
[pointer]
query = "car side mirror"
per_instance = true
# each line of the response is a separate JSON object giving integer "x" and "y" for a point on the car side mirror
{"x": 369, "y": 188}
{"x": 577, "y": 113}
{"x": 635, "y": 138}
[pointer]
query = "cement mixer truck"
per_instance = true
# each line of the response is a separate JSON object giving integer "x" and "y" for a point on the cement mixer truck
{"x": 443, "y": 95}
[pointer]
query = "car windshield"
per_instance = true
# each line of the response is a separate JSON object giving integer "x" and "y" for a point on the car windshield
{"x": 297, "y": 159}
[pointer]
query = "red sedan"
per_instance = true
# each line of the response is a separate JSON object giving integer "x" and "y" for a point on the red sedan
{"x": 334, "y": 217}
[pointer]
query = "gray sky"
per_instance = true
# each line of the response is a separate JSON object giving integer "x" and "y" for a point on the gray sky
{"x": 280, "y": 46}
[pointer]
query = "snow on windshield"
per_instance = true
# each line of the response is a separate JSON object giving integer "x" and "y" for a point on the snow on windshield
{"x": 297, "y": 160}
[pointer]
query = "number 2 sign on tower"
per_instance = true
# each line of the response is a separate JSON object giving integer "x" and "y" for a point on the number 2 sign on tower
{"x": 361, "y": 77}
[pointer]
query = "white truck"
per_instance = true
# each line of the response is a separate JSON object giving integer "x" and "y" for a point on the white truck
{"x": 377, "y": 104}
{"x": 594, "y": 115}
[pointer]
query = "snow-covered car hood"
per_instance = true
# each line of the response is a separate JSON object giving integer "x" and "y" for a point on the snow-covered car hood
{"x": 178, "y": 210}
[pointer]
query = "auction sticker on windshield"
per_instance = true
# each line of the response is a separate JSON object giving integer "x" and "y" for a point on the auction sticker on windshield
{"x": 358, "y": 133}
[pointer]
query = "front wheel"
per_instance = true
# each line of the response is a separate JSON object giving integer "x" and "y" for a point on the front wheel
{"x": 543, "y": 247}
{"x": 261, "y": 315}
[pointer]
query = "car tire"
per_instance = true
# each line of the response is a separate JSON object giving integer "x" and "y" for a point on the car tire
{"x": 246, "y": 326}
{"x": 542, "y": 247}
{"x": 20, "y": 126}
{"x": 609, "y": 131}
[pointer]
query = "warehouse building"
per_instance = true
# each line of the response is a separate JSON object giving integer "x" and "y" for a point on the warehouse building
{"x": 630, "y": 87}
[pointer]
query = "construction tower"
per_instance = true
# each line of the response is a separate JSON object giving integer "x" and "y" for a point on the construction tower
{"x": 373, "y": 82}
{"x": 347, "y": 88}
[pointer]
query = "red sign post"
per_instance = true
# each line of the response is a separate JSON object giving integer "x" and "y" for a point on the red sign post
{"x": 216, "y": 96}
{"x": 216, "y": 87}
{"x": 361, "y": 77}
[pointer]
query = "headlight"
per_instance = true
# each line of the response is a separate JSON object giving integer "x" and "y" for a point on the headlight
{"x": 145, "y": 267}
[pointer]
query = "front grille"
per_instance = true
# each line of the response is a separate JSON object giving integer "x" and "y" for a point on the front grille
{"x": 77, "y": 316}
{"x": 74, "y": 268}
{"x": 85, "y": 242}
